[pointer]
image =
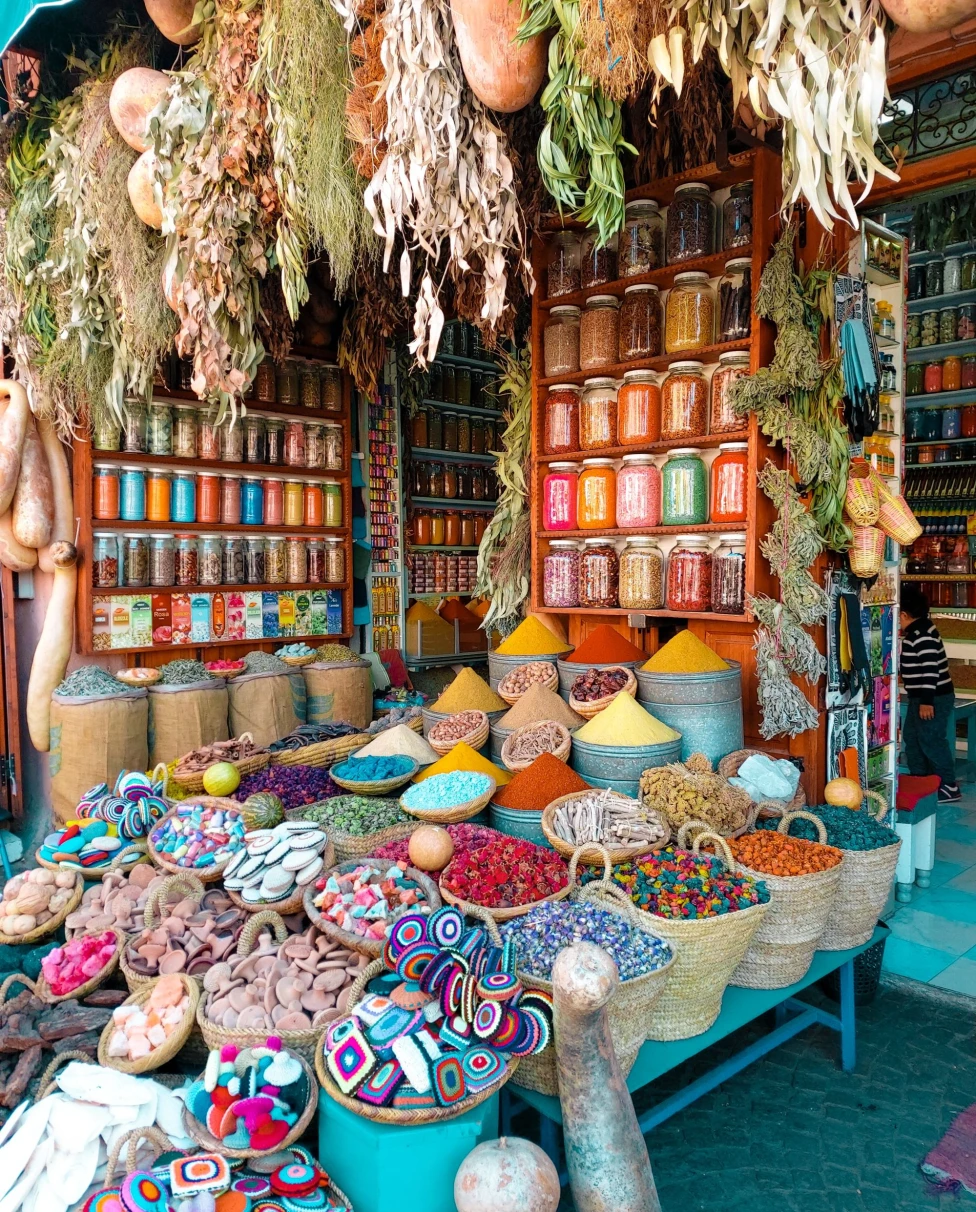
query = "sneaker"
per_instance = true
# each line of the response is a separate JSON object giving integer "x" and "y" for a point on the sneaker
{"x": 949, "y": 793}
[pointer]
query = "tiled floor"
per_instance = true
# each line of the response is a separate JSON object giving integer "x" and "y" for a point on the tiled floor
{"x": 933, "y": 939}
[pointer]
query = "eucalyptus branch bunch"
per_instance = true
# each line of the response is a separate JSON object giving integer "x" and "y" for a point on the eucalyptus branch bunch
{"x": 785, "y": 709}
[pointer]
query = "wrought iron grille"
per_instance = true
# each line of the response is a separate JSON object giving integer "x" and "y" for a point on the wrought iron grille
{"x": 929, "y": 120}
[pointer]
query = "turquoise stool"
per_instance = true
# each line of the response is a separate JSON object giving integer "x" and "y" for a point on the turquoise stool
{"x": 384, "y": 1167}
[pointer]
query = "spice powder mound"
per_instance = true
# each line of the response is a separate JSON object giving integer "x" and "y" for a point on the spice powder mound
{"x": 538, "y": 785}
{"x": 532, "y": 638}
{"x": 468, "y": 692}
{"x": 685, "y": 653}
{"x": 606, "y": 646}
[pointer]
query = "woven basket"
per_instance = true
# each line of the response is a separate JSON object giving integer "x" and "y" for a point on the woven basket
{"x": 379, "y": 786}
{"x": 728, "y": 768}
{"x": 291, "y": 903}
{"x": 708, "y": 950}
{"x": 43, "y": 989}
{"x": 551, "y": 681}
{"x": 595, "y": 852}
{"x": 355, "y": 845}
{"x": 323, "y": 754}
{"x": 365, "y": 946}
{"x": 800, "y": 906}
{"x": 499, "y": 915}
{"x": 629, "y": 1008}
{"x": 895, "y": 517}
{"x": 227, "y": 674}
{"x": 206, "y": 875}
{"x": 861, "y": 499}
{"x": 457, "y": 812}
{"x": 296, "y": 662}
{"x": 865, "y": 881}
{"x": 199, "y": 1133}
{"x": 49, "y": 927}
{"x": 215, "y": 1036}
{"x": 561, "y": 751}
{"x": 193, "y": 782}
{"x": 165, "y": 1052}
{"x": 139, "y": 676}
{"x": 589, "y": 710}
{"x": 122, "y": 860}
{"x": 866, "y": 553}
{"x": 475, "y": 738}
{"x": 190, "y": 888}
{"x": 129, "y": 1142}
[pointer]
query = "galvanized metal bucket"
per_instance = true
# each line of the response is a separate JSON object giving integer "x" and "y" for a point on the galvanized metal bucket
{"x": 706, "y": 708}
{"x": 499, "y": 665}
{"x": 518, "y": 822}
{"x": 620, "y": 766}
{"x": 497, "y": 738}
{"x": 569, "y": 671}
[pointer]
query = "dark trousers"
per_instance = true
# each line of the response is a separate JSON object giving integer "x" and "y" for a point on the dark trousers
{"x": 927, "y": 748}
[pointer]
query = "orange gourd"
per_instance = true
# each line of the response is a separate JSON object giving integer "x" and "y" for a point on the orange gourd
{"x": 502, "y": 73}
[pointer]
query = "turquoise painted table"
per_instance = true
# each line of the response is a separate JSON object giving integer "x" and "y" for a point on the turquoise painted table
{"x": 739, "y": 1007}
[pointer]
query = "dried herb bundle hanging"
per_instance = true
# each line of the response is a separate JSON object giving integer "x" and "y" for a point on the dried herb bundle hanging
{"x": 366, "y": 103}
{"x": 614, "y": 36}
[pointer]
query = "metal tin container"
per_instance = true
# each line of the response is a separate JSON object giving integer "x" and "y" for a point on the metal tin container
{"x": 500, "y": 665}
{"x": 518, "y": 822}
{"x": 620, "y": 766}
{"x": 706, "y": 708}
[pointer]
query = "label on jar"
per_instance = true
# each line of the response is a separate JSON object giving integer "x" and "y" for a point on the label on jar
{"x": 269, "y": 614}
{"x": 141, "y": 620}
{"x": 200, "y": 618}
{"x": 182, "y": 618}
{"x": 162, "y": 619}
{"x": 253, "y": 615}
{"x": 101, "y": 623}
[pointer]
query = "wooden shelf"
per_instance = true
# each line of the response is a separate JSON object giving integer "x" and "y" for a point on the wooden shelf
{"x": 932, "y": 353}
{"x": 474, "y": 363}
{"x": 708, "y": 442}
{"x": 443, "y": 548}
{"x": 279, "y": 471}
{"x": 473, "y": 410}
{"x": 452, "y": 456}
{"x": 177, "y": 395}
{"x": 662, "y": 278}
{"x": 100, "y": 524}
{"x": 939, "y": 576}
{"x": 709, "y": 353}
{"x": 122, "y": 590}
{"x": 936, "y": 302}
{"x": 162, "y": 649}
{"x": 448, "y": 503}
{"x": 619, "y": 611}
{"x": 632, "y": 532}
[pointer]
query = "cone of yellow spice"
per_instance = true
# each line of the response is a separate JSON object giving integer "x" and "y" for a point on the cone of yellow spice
{"x": 625, "y": 724}
{"x": 468, "y": 692}
{"x": 685, "y": 653}
{"x": 463, "y": 757}
{"x": 532, "y": 639}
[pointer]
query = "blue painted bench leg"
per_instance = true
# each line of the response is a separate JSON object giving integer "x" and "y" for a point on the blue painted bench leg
{"x": 7, "y": 871}
{"x": 848, "y": 1027}
{"x": 549, "y": 1138}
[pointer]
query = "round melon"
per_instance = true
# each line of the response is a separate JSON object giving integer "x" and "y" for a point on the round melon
{"x": 135, "y": 94}
{"x": 174, "y": 20}
{"x": 222, "y": 778}
{"x": 262, "y": 810}
{"x": 430, "y": 848}
{"x": 140, "y": 184}
{"x": 843, "y": 793}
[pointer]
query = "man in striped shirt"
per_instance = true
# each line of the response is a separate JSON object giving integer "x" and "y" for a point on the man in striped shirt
{"x": 931, "y": 696}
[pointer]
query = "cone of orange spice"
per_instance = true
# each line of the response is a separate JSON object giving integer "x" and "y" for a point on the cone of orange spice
{"x": 778, "y": 854}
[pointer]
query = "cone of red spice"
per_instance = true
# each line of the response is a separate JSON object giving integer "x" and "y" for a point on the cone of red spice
{"x": 605, "y": 646}
{"x": 539, "y": 784}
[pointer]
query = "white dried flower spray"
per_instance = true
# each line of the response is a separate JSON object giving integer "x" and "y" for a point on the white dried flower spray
{"x": 446, "y": 184}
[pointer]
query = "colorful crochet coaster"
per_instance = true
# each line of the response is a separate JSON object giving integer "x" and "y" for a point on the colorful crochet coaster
{"x": 407, "y": 930}
{"x": 537, "y": 999}
{"x": 414, "y": 1062}
{"x": 352, "y": 1062}
{"x": 529, "y": 1038}
{"x": 487, "y": 1019}
{"x": 456, "y": 1033}
{"x": 507, "y": 1030}
{"x": 545, "y": 1028}
{"x": 481, "y": 1067}
{"x": 141, "y": 1193}
{"x": 471, "y": 940}
{"x": 108, "y": 1200}
{"x": 445, "y": 926}
{"x": 499, "y": 986}
{"x": 413, "y": 960}
{"x": 509, "y": 956}
{"x": 409, "y": 1099}
{"x": 307, "y": 1203}
{"x": 253, "y": 1186}
{"x": 297, "y": 1178}
{"x": 382, "y": 1084}
{"x": 395, "y": 1022}
{"x": 447, "y": 1080}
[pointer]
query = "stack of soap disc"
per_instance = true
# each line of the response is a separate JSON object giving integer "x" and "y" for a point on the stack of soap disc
{"x": 277, "y": 862}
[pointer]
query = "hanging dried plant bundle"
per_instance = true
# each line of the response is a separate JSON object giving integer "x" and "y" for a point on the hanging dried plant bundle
{"x": 366, "y": 103}
{"x": 274, "y": 323}
{"x": 446, "y": 182}
{"x": 785, "y": 709}
{"x": 378, "y": 312}
{"x": 614, "y": 39}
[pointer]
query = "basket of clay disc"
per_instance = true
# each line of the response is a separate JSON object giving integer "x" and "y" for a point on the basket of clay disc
{"x": 276, "y": 866}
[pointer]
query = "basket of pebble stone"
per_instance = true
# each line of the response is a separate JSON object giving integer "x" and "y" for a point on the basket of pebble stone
{"x": 588, "y": 825}
{"x": 515, "y": 683}
{"x": 358, "y": 824}
{"x": 167, "y": 1049}
{"x": 598, "y": 913}
{"x": 596, "y": 689}
{"x": 206, "y": 874}
{"x": 468, "y": 726}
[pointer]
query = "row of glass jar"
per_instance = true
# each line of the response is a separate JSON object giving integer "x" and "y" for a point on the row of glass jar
{"x": 950, "y": 374}
{"x": 156, "y": 494}
{"x": 646, "y": 242}
{"x": 192, "y": 433}
{"x": 159, "y": 560}
{"x": 941, "y": 327}
{"x": 462, "y": 385}
{"x": 433, "y": 428}
{"x": 941, "y": 276}
{"x": 949, "y": 556}
{"x": 453, "y": 481}
{"x": 607, "y": 332}
{"x": 930, "y": 424}
{"x": 448, "y": 528}
{"x": 296, "y": 382}
{"x": 596, "y": 495}
{"x": 428, "y": 572}
{"x": 694, "y": 577}
{"x": 643, "y": 408}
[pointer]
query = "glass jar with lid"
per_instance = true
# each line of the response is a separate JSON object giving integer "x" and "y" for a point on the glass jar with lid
{"x": 598, "y": 415}
{"x": 435, "y": 429}
{"x": 563, "y": 273}
{"x": 132, "y": 502}
{"x": 448, "y": 391}
{"x": 187, "y": 560}
{"x": 467, "y": 530}
{"x": 294, "y": 444}
{"x": 951, "y": 423}
{"x": 730, "y": 482}
{"x": 437, "y": 528}
{"x": 105, "y": 560}
{"x": 598, "y": 262}
{"x": 735, "y": 301}
{"x": 951, "y": 374}
{"x": 333, "y": 446}
{"x": 232, "y": 557}
{"x": 722, "y": 418}
{"x": 948, "y": 323}
{"x": 690, "y": 574}
{"x": 599, "y": 573}
{"x": 275, "y": 566}
{"x": 254, "y": 561}
{"x": 640, "y": 247}
{"x": 596, "y": 507}
{"x": 162, "y": 560}
{"x": 465, "y": 483}
{"x": 932, "y": 377}
{"x": 640, "y": 323}
{"x": 264, "y": 381}
{"x": 211, "y": 559}
{"x": 207, "y": 434}
{"x": 159, "y": 495}
{"x": 232, "y": 442}
{"x": 309, "y": 392}
{"x": 208, "y": 497}
{"x": 684, "y": 489}
{"x": 462, "y": 380}
{"x": 691, "y": 223}
{"x": 599, "y": 334}
{"x": 106, "y": 495}
{"x": 253, "y": 439}
{"x": 135, "y": 427}
{"x": 684, "y": 402}
{"x": 930, "y": 328}
{"x": 690, "y": 313}
{"x": 183, "y": 497}
{"x": 136, "y": 560}
{"x": 314, "y": 503}
{"x": 561, "y": 573}
{"x": 952, "y": 275}
{"x": 274, "y": 501}
{"x": 729, "y": 575}
{"x": 335, "y": 561}
{"x": 561, "y": 339}
{"x": 294, "y": 503}
{"x": 638, "y": 492}
{"x": 559, "y": 493}
{"x": 296, "y": 560}
{"x": 934, "y": 268}
{"x": 330, "y": 387}
{"x": 160, "y": 438}
{"x": 333, "y": 502}
{"x": 464, "y": 433}
{"x": 252, "y": 501}
{"x": 286, "y": 384}
{"x": 914, "y": 378}
{"x": 737, "y": 217}
{"x": 230, "y": 499}
{"x": 638, "y": 409}
{"x": 641, "y": 577}
{"x": 183, "y": 432}
{"x": 316, "y": 561}
{"x": 477, "y": 436}
{"x": 274, "y": 442}
{"x": 106, "y": 429}
{"x": 561, "y": 433}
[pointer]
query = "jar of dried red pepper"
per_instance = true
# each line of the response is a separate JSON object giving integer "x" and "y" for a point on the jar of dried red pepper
{"x": 730, "y": 478}
{"x": 562, "y": 419}
{"x": 690, "y": 574}
{"x": 599, "y": 573}
{"x": 638, "y": 408}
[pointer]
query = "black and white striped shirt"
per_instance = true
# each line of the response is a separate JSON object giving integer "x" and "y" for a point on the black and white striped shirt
{"x": 924, "y": 665}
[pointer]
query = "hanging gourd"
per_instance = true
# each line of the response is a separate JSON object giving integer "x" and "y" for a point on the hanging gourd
{"x": 174, "y": 20}
{"x": 502, "y": 73}
{"x": 135, "y": 94}
{"x": 140, "y": 182}
{"x": 929, "y": 16}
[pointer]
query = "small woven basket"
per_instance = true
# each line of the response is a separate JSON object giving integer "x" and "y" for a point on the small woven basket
{"x": 597, "y": 852}
{"x": 166, "y": 1051}
{"x": 498, "y": 915}
{"x": 227, "y": 674}
{"x": 206, "y": 875}
{"x": 139, "y": 676}
{"x": 728, "y": 768}
{"x": 861, "y": 499}
{"x": 895, "y": 517}
{"x": 457, "y": 812}
{"x": 476, "y": 737}
{"x": 561, "y": 751}
{"x": 192, "y": 781}
{"x": 589, "y": 709}
{"x": 185, "y": 885}
{"x": 49, "y": 927}
{"x": 292, "y": 903}
{"x": 94, "y": 982}
{"x": 358, "y": 845}
{"x": 866, "y": 552}
{"x": 122, "y": 860}
{"x": 355, "y": 942}
{"x": 322, "y": 754}
{"x": 376, "y": 786}
{"x": 511, "y": 696}
{"x": 296, "y": 662}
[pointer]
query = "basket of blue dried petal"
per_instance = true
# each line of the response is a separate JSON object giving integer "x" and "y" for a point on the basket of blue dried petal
{"x": 598, "y": 913}
{"x": 374, "y": 775}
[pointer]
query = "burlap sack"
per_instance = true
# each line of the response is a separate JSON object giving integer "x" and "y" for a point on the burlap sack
{"x": 339, "y": 693}
{"x": 268, "y": 705}
{"x": 93, "y": 739}
{"x": 182, "y": 718}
